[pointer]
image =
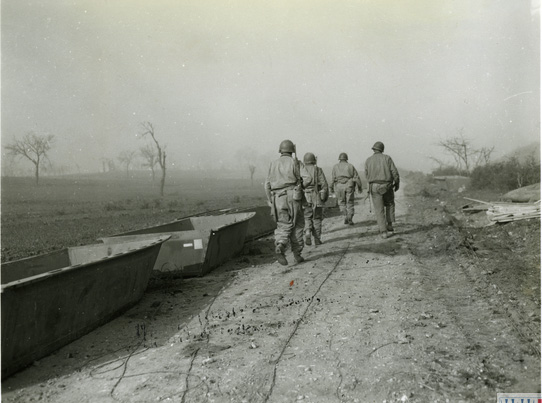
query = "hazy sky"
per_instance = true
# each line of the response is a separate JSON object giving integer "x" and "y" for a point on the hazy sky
{"x": 216, "y": 77}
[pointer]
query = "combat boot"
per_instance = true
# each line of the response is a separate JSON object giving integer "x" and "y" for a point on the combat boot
{"x": 389, "y": 227}
{"x": 317, "y": 241}
{"x": 298, "y": 258}
{"x": 308, "y": 241}
{"x": 279, "y": 251}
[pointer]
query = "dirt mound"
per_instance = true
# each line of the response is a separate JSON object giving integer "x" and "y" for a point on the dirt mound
{"x": 526, "y": 194}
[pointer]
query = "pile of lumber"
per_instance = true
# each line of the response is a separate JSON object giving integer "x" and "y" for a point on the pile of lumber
{"x": 505, "y": 212}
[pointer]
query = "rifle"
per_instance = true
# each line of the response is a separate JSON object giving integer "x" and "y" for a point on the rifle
{"x": 298, "y": 190}
{"x": 316, "y": 178}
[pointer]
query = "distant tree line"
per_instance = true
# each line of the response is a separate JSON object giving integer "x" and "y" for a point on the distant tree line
{"x": 35, "y": 148}
{"x": 465, "y": 157}
{"x": 504, "y": 176}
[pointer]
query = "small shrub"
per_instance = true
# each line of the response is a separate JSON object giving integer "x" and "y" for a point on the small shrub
{"x": 446, "y": 171}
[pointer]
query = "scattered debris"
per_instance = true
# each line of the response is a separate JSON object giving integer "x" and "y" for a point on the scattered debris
{"x": 504, "y": 212}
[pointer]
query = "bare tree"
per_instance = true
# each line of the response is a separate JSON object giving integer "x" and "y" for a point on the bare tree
{"x": 248, "y": 157}
{"x": 483, "y": 156}
{"x": 126, "y": 158}
{"x": 440, "y": 163}
{"x": 111, "y": 165}
{"x": 151, "y": 157}
{"x": 458, "y": 147}
{"x": 106, "y": 164}
{"x": 252, "y": 169}
{"x": 465, "y": 157}
{"x": 33, "y": 147}
{"x": 148, "y": 128}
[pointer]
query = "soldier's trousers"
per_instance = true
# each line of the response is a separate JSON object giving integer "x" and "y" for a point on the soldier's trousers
{"x": 345, "y": 198}
{"x": 313, "y": 220}
{"x": 383, "y": 204}
{"x": 290, "y": 220}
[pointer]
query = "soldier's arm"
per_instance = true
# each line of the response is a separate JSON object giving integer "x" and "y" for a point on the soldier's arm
{"x": 267, "y": 188}
{"x": 357, "y": 179}
{"x": 394, "y": 174}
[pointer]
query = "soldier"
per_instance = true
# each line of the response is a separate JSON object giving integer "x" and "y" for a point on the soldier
{"x": 316, "y": 193}
{"x": 344, "y": 180}
{"x": 383, "y": 179}
{"x": 284, "y": 191}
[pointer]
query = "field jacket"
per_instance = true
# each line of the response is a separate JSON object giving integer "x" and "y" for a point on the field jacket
{"x": 379, "y": 168}
{"x": 284, "y": 173}
{"x": 312, "y": 194}
{"x": 345, "y": 173}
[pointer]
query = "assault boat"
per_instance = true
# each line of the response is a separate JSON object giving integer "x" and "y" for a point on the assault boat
{"x": 53, "y": 299}
{"x": 196, "y": 245}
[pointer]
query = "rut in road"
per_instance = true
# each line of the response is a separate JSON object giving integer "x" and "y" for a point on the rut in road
{"x": 277, "y": 360}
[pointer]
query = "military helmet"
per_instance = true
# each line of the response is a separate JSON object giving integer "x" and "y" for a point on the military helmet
{"x": 309, "y": 158}
{"x": 286, "y": 147}
{"x": 379, "y": 146}
{"x": 343, "y": 156}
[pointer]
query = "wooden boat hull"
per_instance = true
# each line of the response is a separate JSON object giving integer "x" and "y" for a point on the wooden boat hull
{"x": 196, "y": 245}
{"x": 43, "y": 310}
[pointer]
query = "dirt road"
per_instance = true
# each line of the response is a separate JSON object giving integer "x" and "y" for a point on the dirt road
{"x": 410, "y": 318}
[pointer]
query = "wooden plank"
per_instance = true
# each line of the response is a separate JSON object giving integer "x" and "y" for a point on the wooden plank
{"x": 479, "y": 201}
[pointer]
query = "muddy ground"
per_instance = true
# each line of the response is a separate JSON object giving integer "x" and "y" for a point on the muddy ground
{"x": 437, "y": 313}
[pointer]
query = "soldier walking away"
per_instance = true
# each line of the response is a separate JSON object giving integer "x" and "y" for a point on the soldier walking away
{"x": 316, "y": 194}
{"x": 344, "y": 180}
{"x": 284, "y": 191}
{"x": 383, "y": 179}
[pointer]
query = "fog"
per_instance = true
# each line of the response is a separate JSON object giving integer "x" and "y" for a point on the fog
{"x": 224, "y": 82}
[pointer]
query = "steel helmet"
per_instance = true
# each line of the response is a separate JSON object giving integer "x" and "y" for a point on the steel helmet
{"x": 309, "y": 158}
{"x": 343, "y": 156}
{"x": 379, "y": 146}
{"x": 286, "y": 147}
